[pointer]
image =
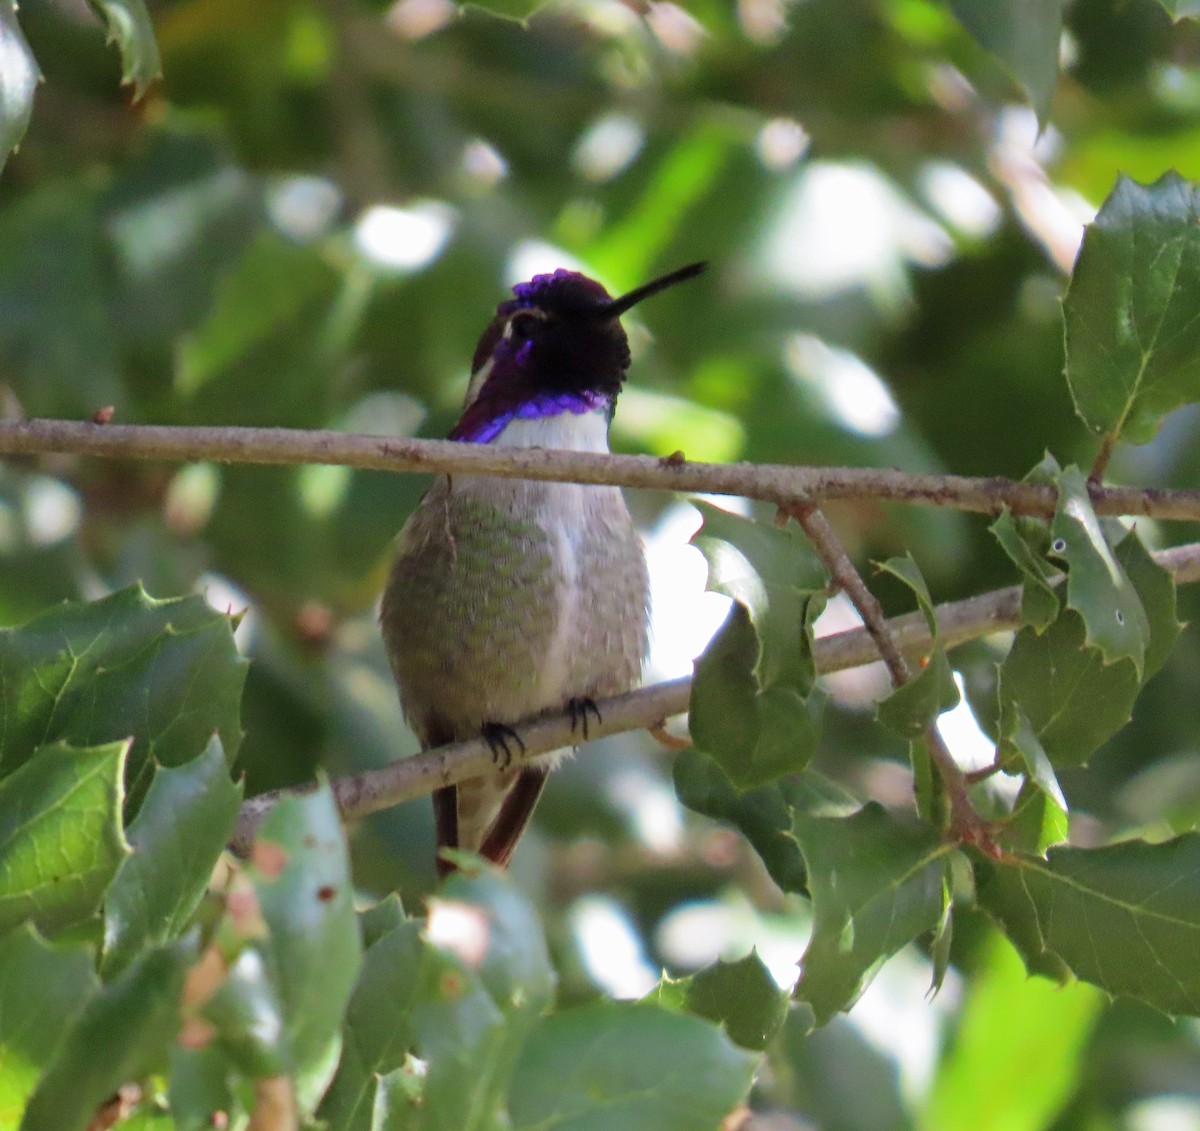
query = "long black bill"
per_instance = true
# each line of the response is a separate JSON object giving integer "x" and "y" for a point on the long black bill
{"x": 618, "y": 306}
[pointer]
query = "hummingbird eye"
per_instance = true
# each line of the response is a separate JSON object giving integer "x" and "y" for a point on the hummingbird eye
{"x": 524, "y": 325}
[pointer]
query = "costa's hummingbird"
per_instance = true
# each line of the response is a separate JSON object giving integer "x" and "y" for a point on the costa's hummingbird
{"x": 509, "y": 599}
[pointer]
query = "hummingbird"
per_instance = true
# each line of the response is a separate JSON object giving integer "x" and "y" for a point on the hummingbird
{"x": 508, "y": 599}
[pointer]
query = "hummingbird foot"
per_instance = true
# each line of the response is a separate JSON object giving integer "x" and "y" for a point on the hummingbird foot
{"x": 501, "y": 739}
{"x": 579, "y": 707}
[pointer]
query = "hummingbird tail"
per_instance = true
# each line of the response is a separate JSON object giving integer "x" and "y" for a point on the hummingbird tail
{"x": 501, "y": 836}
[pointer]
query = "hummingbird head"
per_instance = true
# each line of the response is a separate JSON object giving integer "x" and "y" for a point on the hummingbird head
{"x": 556, "y": 346}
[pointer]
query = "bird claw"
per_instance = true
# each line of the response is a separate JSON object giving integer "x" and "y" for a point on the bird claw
{"x": 579, "y": 707}
{"x": 500, "y": 739}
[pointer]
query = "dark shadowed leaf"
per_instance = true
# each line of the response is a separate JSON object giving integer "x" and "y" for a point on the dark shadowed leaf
{"x": 61, "y": 840}
{"x": 741, "y": 996}
{"x": 1073, "y": 700}
{"x": 877, "y": 882}
{"x": 1133, "y": 343}
{"x": 1125, "y": 917}
{"x": 627, "y": 1067}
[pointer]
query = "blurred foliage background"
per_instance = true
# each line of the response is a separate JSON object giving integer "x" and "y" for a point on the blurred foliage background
{"x": 310, "y": 219}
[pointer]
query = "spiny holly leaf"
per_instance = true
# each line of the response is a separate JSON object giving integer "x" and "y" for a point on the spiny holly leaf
{"x": 177, "y": 836}
{"x": 632, "y": 1066}
{"x": 166, "y": 673}
{"x": 1156, "y": 590}
{"x": 742, "y": 997}
{"x": 1040, "y": 814}
{"x": 484, "y": 981}
{"x": 1097, "y": 587}
{"x": 1023, "y": 35}
{"x": 61, "y": 841}
{"x": 1039, "y": 601}
{"x": 756, "y": 734}
{"x": 1125, "y": 917}
{"x": 1132, "y": 340}
{"x": 775, "y": 574}
{"x": 19, "y": 76}
{"x": 378, "y": 1033}
{"x": 130, "y": 27}
{"x": 877, "y": 882}
{"x": 124, "y": 1033}
{"x": 764, "y": 815}
{"x": 301, "y": 873}
{"x": 42, "y": 990}
{"x": 1073, "y": 700}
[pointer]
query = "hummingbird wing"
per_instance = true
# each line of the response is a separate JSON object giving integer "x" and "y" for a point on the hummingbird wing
{"x": 506, "y": 801}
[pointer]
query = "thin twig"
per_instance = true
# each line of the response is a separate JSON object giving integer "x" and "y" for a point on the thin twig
{"x": 373, "y": 790}
{"x": 846, "y": 576}
{"x": 781, "y": 484}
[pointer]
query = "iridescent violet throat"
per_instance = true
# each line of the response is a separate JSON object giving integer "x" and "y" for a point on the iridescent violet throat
{"x": 510, "y": 599}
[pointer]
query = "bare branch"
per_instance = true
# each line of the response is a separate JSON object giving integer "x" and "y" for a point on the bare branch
{"x": 781, "y": 484}
{"x": 959, "y": 621}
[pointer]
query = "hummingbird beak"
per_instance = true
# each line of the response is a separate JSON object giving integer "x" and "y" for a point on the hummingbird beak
{"x": 619, "y": 306}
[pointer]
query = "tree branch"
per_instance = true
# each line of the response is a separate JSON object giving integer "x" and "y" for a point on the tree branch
{"x": 781, "y": 484}
{"x": 958, "y": 622}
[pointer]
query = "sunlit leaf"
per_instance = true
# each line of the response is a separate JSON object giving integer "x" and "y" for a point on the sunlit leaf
{"x": 129, "y": 25}
{"x": 61, "y": 840}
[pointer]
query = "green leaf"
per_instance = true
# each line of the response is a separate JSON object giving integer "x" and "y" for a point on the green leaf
{"x": 1156, "y": 590}
{"x": 1039, "y": 601}
{"x": 273, "y": 287}
{"x": 1182, "y": 9}
{"x": 1132, "y": 342}
{"x": 249, "y": 1026}
{"x": 906, "y": 570}
{"x": 775, "y": 574}
{"x": 1073, "y": 700}
{"x": 485, "y": 980}
{"x": 755, "y": 734}
{"x": 129, "y": 26}
{"x": 1097, "y": 587}
{"x": 177, "y": 836}
{"x": 42, "y": 991}
{"x": 1023, "y": 35}
{"x": 1040, "y": 813}
{"x": 378, "y": 1032}
{"x": 302, "y": 876}
{"x": 913, "y": 706}
{"x": 635, "y": 1067}
{"x": 61, "y": 841}
{"x": 19, "y": 77}
{"x": 764, "y": 816}
{"x": 877, "y": 882}
{"x": 199, "y": 1089}
{"x": 1125, "y": 917}
{"x": 166, "y": 673}
{"x": 742, "y": 997}
{"x": 1012, "y": 1027}
{"x": 124, "y": 1033}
